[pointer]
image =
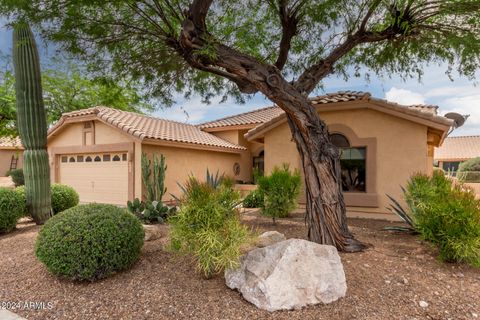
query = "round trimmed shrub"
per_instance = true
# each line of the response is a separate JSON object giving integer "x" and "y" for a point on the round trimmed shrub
{"x": 21, "y": 192}
{"x": 63, "y": 197}
{"x": 90, "y": 242}
{"x": 12, "y": 208}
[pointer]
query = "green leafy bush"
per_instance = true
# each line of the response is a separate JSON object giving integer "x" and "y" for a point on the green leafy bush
{"x": 446, "y": 214}
{"x": 253, "y": 200}
{"x": 17, "y": 177}
{"x": 280, "y": 189}
{"x": 63, "y": 197}
{"x": 150, "y": 211}
{"x": 21, "y": 192}
{"x": 90, "y": 242}
{"x": 208, "y": 226}
{"x": 12, "y": 208}
{"x": 469, "y": 171}
{"x": 470, "y": 165}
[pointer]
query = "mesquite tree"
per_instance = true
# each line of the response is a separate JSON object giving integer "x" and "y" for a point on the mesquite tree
{"x": 32, "y": 123}
{"x": 279, "y": 48}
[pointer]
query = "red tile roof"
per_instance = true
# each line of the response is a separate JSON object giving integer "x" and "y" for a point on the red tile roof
{"x": 10, "y": 143}
{"x": 459, "y": 148}
{"x": 146, "y": 127}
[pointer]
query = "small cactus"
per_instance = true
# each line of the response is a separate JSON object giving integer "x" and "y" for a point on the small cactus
{"x": 31, "y": 123}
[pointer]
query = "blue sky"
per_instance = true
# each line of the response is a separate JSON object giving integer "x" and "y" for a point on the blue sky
{"x": 436, "y": 88}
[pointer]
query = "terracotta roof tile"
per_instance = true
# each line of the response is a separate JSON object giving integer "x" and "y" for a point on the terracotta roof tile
{"x": 8, "y": 142}
{"x": 146, "y": 127}
{"x": 263, "y": 115}
{"x": 252, "y": 117}
{"x": 421, "y": 111}
{"x": 463, "y": 147}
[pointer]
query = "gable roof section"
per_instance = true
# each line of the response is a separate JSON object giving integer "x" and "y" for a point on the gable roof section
{"x": 253, "y": 118}
{"x": 10, "y": 143}
{"x": 148, "y": 128}
{"x": 418, "y": 113}
{"x": 459, "y": 148}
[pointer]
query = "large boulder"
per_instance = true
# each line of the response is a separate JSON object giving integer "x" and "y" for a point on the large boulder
{"x": 288, "y": 275}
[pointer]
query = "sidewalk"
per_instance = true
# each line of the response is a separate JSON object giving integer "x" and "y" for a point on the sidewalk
{"x": 8, "y": 315}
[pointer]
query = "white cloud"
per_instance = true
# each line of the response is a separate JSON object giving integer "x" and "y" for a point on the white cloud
{"x": 403, "y": 96}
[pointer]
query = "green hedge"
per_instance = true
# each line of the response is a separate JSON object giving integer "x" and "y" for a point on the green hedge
{"x": 280, "y": 189}
{"x": 468, "y": 176}
{"x": 90, "y": 242}
{"x": 470, "y": 165}
{"x": 12, "y": 208}
{"x": 446, "y": 214}
{"x": 63, "y": 197}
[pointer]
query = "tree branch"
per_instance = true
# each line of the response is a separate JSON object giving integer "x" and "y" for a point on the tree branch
{"x": 289, "y": 18}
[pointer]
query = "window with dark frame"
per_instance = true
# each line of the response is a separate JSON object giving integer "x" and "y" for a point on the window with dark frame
{"x": 116, "y": 158}
{"x": 64, "y": 159}
{"x": 88, "y": 159}
{"x": 106, "y": 157}
{"x": 79, "y": 158}
{"x": 353, "y": 164}
{"x": 72, "y": 159}
{"x": 97, "y": 159}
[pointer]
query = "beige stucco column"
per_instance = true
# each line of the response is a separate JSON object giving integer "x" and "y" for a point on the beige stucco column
{"x": 137, "y": 177}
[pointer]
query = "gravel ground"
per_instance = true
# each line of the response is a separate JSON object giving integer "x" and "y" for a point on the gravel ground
{"x": 391, "y": 280}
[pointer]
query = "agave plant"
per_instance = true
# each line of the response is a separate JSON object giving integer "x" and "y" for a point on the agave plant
{"x": 402, "y": 213}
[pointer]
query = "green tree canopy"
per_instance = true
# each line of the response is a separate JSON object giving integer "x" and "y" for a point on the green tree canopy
{"x": 67, "y": 88}
{"x": 141, "y": 39}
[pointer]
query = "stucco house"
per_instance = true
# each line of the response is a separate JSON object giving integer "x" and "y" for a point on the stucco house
{"x": 98, "y": 150}
{"x": 456, "y": 150}
{"x": 11, "y": 154}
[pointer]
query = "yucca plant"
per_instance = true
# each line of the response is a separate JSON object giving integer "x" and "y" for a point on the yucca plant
{"x": 31, "y": 122}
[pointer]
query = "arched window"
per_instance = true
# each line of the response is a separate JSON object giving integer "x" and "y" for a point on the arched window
{"x": 72, "y": 159}
{"x": 88, "y": 159}
{"x": 97, "y": 159}
{"x": 352, "y": 162}
{"x": 116, "y": 158}
{"x": 339, "y": 140}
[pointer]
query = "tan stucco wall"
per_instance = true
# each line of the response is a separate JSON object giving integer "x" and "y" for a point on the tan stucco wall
{"x": 246, "y": 157}
{"x": 6, "y": 158}
{"x": 183, "y": 162}
{"x": 401, "y": 149}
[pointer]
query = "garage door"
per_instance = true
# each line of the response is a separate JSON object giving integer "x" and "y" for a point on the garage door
{"x": 101, "y": 178}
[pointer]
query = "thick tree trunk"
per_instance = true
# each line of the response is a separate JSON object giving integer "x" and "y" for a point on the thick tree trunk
{"x": 325, "y": 210}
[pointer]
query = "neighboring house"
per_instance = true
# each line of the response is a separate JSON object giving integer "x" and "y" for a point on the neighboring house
{"x": 98, "y": 150}
{"x": 11, "y": 154}
{"x": 456, "y": 150}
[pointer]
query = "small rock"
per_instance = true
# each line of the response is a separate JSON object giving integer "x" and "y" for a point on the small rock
{"x": 152, "y": 232}
{"x": 475, "y": 315}
{"x": 423, "y": 304}
{"x": 404, "y": 280}
{"x": 268, "y": 238}
{"x": 366, "y": 265}
{"x": 388, "y": 281}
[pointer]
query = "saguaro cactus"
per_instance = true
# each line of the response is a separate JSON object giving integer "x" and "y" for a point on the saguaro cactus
{"x": 31, "y": 122}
